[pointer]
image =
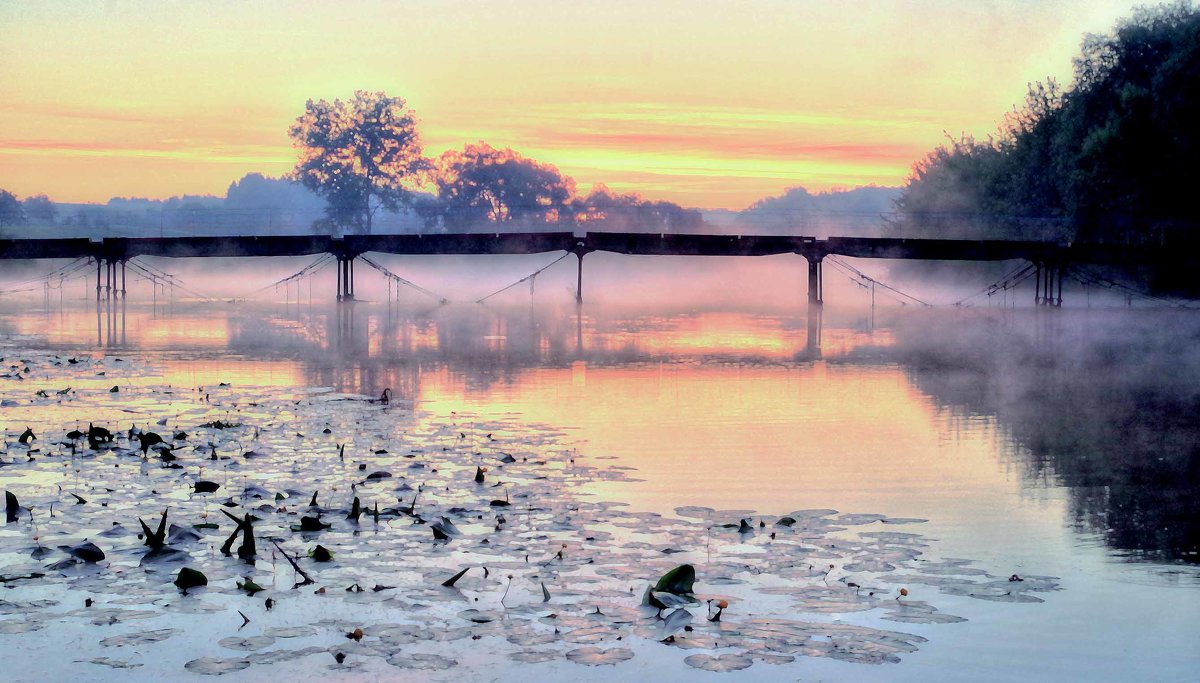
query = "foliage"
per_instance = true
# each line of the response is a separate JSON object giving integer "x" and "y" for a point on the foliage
{"x": 837, "y": 212}
{"x": 11, "y": 211}
{"x": 484, "y": 184}
{"x": 361, "y": 156}
{"x": 1105, "y": 160}
{"x": 630, "y": 212}
{"x": 39, "y": 209}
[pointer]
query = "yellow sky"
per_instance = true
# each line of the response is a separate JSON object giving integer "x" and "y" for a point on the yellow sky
{"x": 711, "y": 104}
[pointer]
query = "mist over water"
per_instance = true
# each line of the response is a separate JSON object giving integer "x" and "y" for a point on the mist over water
{"x": 1036, "y": 442}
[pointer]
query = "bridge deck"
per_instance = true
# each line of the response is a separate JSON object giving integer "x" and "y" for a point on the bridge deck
{"x": 541, "y": 242}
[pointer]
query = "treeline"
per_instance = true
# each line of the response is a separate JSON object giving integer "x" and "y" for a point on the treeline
{"x": 481, "y": 186}
{"x": 1109, "y": 159}
{"x": 365, "y": 157}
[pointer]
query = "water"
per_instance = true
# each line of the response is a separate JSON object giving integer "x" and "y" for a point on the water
{"x": 1038, "y": 444}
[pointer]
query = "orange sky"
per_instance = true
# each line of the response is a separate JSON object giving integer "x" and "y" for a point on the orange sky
{"x": 711, "y": 104}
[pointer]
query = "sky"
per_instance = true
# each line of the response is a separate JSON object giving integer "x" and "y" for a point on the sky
{"x": 709, "y": 104}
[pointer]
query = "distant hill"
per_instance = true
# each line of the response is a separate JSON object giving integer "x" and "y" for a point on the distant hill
{"x": 258, "y": 204}
{"x": 849, "y": 213}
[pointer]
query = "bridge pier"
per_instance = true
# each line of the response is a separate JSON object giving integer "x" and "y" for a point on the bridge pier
{"x": 579, "y": 277}
{"x": 815, "y": 280}
{"x": 345, "y": 278}
{"x": 106, "y": 278}
{"x": 1048, "y": 290}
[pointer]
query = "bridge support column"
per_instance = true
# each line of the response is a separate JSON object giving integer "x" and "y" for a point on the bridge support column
{"x": 99, "y": 267}
{"x": 579, "y": 277}
{"x": 345, "y": 278}
{"x": 1049, "y": 284}
{"x": 815, "y": 280}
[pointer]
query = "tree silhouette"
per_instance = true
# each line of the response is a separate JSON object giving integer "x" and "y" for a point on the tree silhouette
{"x": 1109, "y": 159}
{"x": 485, "y": 184}
{"x": 361, "y": 156}
{"x": 11, "y": 212}
{"x": 39, "y": 209}
{"x": 630, "y": 212}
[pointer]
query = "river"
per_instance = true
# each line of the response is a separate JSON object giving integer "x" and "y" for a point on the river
{"x": 1058, "y": 449}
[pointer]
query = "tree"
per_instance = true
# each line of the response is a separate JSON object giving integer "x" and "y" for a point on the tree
{"x": 11, "y": 212}
{"x": 40, "y": 209}
{"x": 485, "y": 184}
{"x": 631, "y": 212}
{"x": 361, "y": 156}
{"x": 1111, "y": 159}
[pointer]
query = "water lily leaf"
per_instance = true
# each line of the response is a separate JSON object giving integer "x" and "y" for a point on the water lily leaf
{"x": 11, "y": 506}
{"x": 249, "y": 586}
{"x": 728, "y": 662}
{"x": 313, "y": 524}
{"x": 190, "y": 578}
{"x": 139, "y": 638}
{"x": 421, "y": 662}
{"x": 250, "y": 643}
{"x": 215, "y": 666}
{"x": 449, "y": 583}
{"x": 595, "y": 656}
{"x": 88, "y": 552}
{"x": 678, "y": 581}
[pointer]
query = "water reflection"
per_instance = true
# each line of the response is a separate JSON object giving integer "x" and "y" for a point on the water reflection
{"x": 1103, "y": 405}
{"x": 910, "y": 414}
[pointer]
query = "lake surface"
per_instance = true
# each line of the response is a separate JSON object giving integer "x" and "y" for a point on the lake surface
{"x": 1059, "y": 447}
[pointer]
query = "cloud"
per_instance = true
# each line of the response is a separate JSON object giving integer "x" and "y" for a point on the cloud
{"x": 164, "y": 149}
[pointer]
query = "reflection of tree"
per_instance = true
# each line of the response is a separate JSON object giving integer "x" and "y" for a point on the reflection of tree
{"x": 1111, "y": 417}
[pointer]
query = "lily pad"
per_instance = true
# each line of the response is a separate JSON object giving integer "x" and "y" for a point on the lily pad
{"x": 596, "y": 656}
{"x": 729, "y": 662}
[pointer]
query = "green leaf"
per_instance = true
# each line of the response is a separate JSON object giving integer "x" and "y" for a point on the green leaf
{"x": 190, "y": 578}
{"x": 678, "y": 581}
{"x": 249, "y": 586}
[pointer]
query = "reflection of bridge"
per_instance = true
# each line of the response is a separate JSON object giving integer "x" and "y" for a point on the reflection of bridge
{"x": 1049, "y": 258}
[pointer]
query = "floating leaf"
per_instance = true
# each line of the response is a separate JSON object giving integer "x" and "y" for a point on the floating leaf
{"x": 678, "y": 581}
{"x": 728, "y": 662}
{"x": 88, "y": 552}
{"x": 421, "y": 662}
{"x": 139, "y": 637}
{"x": 595, "y": 656}
{"x": 190, "y": 578}
{"x": 215, "y": 666}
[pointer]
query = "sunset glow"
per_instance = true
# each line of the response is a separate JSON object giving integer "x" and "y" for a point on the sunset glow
{"x": 714, "y": 105}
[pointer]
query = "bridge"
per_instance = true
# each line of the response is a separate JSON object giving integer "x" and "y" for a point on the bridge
{"x": 1050, "y": 259}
